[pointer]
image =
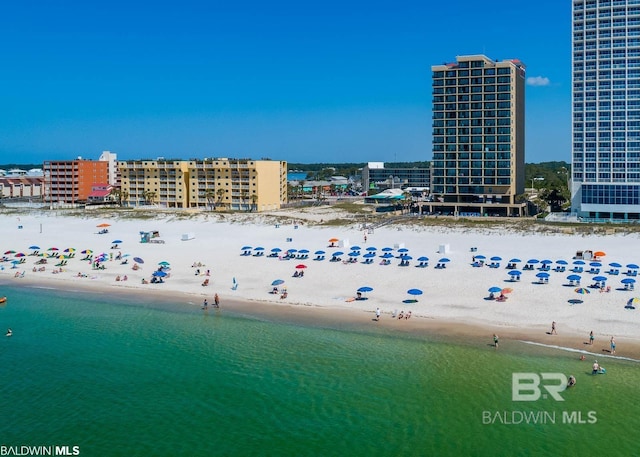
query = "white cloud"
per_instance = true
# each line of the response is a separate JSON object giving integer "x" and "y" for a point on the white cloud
{"x": 538, "y": 81}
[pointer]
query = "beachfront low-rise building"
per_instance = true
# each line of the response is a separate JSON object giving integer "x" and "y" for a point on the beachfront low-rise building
{"x": 23, "y": 186}
{"x": 71, "y": 181}
{"x": 213, "y": 183}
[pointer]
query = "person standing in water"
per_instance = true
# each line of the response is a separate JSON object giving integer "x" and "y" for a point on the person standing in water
{"x": 216, "y": 301}
{"x": 613, "y": 345}
{"x": 591, "y": 338}
{"x": 495, "y": 341}
{"x": 377, "y": 314}
{"x": 553, "y": 328}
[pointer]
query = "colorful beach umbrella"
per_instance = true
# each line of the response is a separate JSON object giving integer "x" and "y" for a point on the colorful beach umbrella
{"x": 9, "y": 252}
{"x": 70, "y": 250}
{"x": 582, "y": 291}
{"x": 164, "y": 263}
{"x": 19, "y": 254}
{"x": 633, "y": 301}
{"x": 86, "y": 251}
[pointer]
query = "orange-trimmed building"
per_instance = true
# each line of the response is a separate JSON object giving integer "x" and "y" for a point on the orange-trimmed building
{"x": 71, "y": 181}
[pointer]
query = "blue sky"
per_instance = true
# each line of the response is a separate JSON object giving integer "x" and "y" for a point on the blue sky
{"x": 332, "y": 81}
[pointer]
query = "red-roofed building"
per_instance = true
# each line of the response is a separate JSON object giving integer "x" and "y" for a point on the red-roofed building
{"x": 100, "y": 193}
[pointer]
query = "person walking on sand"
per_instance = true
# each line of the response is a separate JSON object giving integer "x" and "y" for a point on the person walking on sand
{"x": 377, "y": 314}
{"x": 553, "y": 328}
{"x": 216, "y": 301}
{"x": 495, "y": 341}
{"x": 591, "y": 338}
{"x": 613, "y": 345}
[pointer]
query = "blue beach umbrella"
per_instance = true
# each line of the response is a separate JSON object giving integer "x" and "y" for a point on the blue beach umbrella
{"x": 303, "y": 251}
{"x": 259, "y": 248}
{"x": 160, "y": 274}
{"x": 444, "y": 260}
{"x": 628, "y": 281}
{"x": 406, "y": 257}
{"x": 387, "y": 249}
{"x": 480, "y": 257}
{"x": 337, "y": 253}
{"x": 595, "y": 264}
{"x": 386, "y": 255}
{"x": 561, "y": 262}
{"x": 495, "y": 289}
{"x": 574, "y": 277}
{"x": 365, "y": 289}
{"x": 354, "y": 254}
{"x": 514, "y": 273}
{"x": 414, "y": 292}
{"x": 277, "y": 282}
{"x": 369, "y": 255}
{"x": 276, "y": 250}
{"x": 542, "y": 274}
{"x": 116, "y": 242}
{"x": 578, "y": 262}
{"x": 34, "y": 247}
{"x": 600, "y": 278}
{"x": 372, "y": 248}
{"x": 533, "y": 261}
{"x": 631, "y": 266}
{"x": 615, "y": 265}
{"x": 319, "y": 252}
{"x": 496, "y": 258}
{"x": 138, "y": 260}
{"x": 356, "y": 248}
{"x": 401, "y": 250}
{"x": 546, "y": 262}
{"x": 246, "y": 248}
{"x": 423, "y": 259}
{"x": 515, "y": 261}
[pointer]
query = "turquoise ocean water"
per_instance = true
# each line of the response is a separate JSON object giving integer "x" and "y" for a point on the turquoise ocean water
{"x": 120, "y": 377}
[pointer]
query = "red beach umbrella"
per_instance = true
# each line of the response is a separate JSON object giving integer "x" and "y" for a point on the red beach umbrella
{"x": 301, "y": 266}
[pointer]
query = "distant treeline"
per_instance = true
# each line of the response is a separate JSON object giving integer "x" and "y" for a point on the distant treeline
{"x": 554, "y": 174}
{"x": 21, "y": 166}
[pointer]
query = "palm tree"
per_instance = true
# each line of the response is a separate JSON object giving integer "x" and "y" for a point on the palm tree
{"x": 116, "y": 194}
{"x": 210, "y": 195}
{"x": 254, "y": 200}
{"x": 149, "y": 196}
{"x": 124, "y": 196}
{"x": 244, "y": 194}
{"x": 220, "y": 194}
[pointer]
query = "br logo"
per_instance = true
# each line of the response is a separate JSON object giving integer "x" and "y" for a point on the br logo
{"x": 527, "y": 386}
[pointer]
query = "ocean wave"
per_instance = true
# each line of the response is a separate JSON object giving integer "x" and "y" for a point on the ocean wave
{"x": 580, "y": 351}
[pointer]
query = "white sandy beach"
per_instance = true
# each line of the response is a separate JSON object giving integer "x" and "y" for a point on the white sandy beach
{"x": 454, "y": 294}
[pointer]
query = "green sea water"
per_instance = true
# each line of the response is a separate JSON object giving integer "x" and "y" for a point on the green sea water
{"x": 120, "y": 377}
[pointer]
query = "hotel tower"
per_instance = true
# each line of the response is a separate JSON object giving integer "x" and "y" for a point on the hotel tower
{"x": 478, "y": 137}
{"x": 606, "y": 110}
